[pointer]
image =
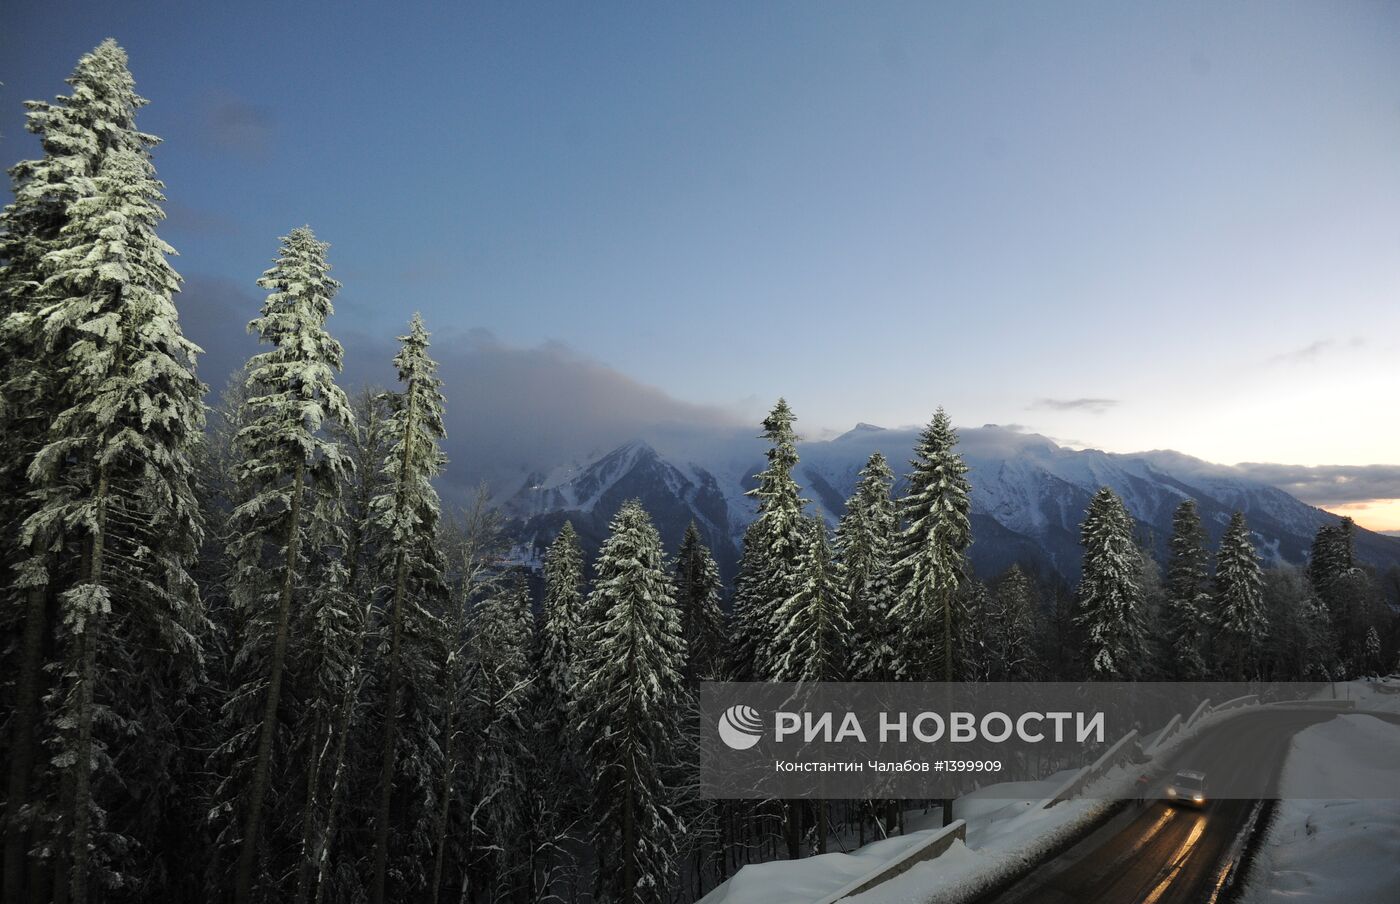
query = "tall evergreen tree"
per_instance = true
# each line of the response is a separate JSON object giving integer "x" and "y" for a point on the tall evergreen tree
{"x": 772, "y": 545}
{"x": 366, "y": 446}
{"x": 1344, "y": 588}
{"x": 1332, "y": 557}
{"x": 931, "y": 560}
{"x": 99, "y": 420}
{"x": 1111, "y": 608}
{"x": 1372, "y": 649}
{"x": 931, "y": 555}
{"x": 1012, "y": 627}
{"x": 703, "y": 627}
{"x": 474, "y": 543}
{"x": 1240, "y": 604}
{"x": 117, "y": 468}
{"x": 1300, "y": 646}
{"x": 413, "y": 572}
{"x": 864, "y": 551}
{"x": 705, "y": 632}
{"x": 1188, "y": 616}
{"x": 561, "y": 643}
{"x": 813, "y": 639}
{"x": 332, "y": 629}
{"x": 813, "y": 630}
{"x": 291, "y": 472}
{"x": 746, "y": 611}
{"x": 559, "y": 753}
{"x": 499, "y": 706}
{"x": 631, "y": 694}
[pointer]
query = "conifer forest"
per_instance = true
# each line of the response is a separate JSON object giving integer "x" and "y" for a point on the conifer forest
{"x": 251, "y": 651}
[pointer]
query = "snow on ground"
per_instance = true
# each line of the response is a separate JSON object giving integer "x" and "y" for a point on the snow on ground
{"x": 1003, "y": 829}
{"x": 1321, "y": 851}
{"x": 1377, "y": 694}
{"x": 1003, "y": 838}
{"x": 810, "y": 878}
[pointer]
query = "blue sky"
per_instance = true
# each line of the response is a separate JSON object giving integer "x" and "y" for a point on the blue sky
{"x": 1127, "y": 225}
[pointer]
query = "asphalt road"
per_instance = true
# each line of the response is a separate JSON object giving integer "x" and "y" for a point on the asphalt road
{"x": 1161, "y": 853}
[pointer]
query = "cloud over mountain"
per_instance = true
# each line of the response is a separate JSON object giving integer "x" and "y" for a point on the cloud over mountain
{"x": 510, "y": 409}
{"x": 1329, "y": 484}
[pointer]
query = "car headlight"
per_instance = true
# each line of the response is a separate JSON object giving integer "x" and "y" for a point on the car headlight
{"x": 1198, "y": 798}
{"x": 1171, "y": 792}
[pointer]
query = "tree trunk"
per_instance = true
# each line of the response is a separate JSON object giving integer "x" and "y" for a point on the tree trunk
{"x": 794, "y": 829}
{"x": 447, "y": 768}
{"x": 321, "y": 851}
{"x": 22, "y": 741}
{"x": 391, "y": 725}
{"x": 391, "y": 710}
{"x": 948, "y": 676}
{"x": 247, "y": 854}
{"x": 629, "y": 842}
{"x": 319, "y": 856}
{"x": 310, "y": 824}
{"x": 87, "y": 668}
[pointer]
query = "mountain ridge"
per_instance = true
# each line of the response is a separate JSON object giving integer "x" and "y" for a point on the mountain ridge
{"x": 1029, "y": 495}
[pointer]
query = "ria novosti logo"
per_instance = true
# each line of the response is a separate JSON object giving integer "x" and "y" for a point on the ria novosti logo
{"x": 740, "y": 727}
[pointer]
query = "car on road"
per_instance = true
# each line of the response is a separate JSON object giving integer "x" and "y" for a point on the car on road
{"x": 1187, "y": 788}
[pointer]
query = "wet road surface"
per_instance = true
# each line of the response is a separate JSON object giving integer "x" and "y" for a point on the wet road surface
{"x": 1162, "y": 853}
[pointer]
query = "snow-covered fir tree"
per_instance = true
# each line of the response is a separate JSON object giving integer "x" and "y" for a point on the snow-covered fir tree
{"x": 772, "y": 544}
{"x": 1332, "y": 556}
{"x": 1345, "y": 589}
{"x": 698, "y": 589}
{"x": 559, "y": 753}
{"x": 1012, "y": 627}
{"x": 812, "y": 643}
{"x": 321, "y": 874}
{"x": 560, "y": 627}
{"x": 813, "y": 639}
{"x": 705, "y": 633}
{"x": 747, "y": 640}
{"x": 1299, "y": 646}
{"x": 74, "y": 142}
{"x": 413, "y": 585}
{"x": 1240, "y": 613}
{"x": 332, "y": 627}
{"x": 864, "y": 552}
{"x": 1189, "y": 608}
{"x": 930, "y": 559}
{"x": 1372, "y": 649}
{"x": 630, "y": 697}
{"x": 474, "y": 544}
{"x": 976, "y": 640}
{"x": 290, "y": 477}
{"x": 99, "y": 418}
{"x": 499, "y": 711}
{"x": 1111, "y": 609}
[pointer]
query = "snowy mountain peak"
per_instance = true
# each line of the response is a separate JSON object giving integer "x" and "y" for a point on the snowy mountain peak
{"x": 860, "y": 429}
{"x": 1029, "y": 494}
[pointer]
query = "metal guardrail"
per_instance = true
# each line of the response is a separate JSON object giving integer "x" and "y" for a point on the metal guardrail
{"x": 1237, "y": 702}
{"x": 1316, "y": 704}
{"x": 1200, "y": 711}
{"x": 1167, "y": 731}
{"x": 1106, "y": 761}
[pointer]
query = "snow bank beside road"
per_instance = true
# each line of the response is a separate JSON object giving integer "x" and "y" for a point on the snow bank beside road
{"x": 810, "y": 878}
{"x": 1322, "y": 851}
{"x": 1003, "y": 821}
